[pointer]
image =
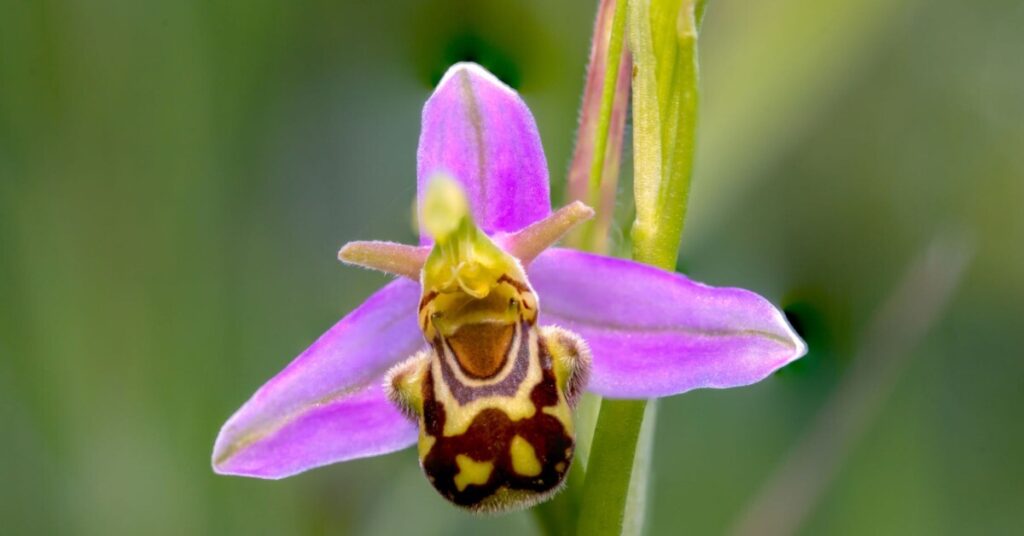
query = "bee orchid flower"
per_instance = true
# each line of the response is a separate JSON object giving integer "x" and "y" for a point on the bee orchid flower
{"x": 479, "y": 351}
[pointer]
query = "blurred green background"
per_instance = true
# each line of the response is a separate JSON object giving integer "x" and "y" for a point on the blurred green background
{"x": 176, "y": 177}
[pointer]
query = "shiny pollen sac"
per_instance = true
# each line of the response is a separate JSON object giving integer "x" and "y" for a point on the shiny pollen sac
{"x": 493, "y": 395}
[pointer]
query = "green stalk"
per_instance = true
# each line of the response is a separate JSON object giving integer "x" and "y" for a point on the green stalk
{"x": 665, "y": 91}
{"x": 595, "y": 165}
{"x": 592, "y": 179}
{"x": 663, "y": 39}
{"x": 606, "y": 491}
{"x": 615, "y": 43}
{"x": 558, "y": 516}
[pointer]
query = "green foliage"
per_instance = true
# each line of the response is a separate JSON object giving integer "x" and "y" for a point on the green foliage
{"x": 176, "y": 178}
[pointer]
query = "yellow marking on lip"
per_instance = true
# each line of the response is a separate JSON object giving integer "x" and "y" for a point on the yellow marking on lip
{"x": 471, "y": 472}
{"x": 524, "y": 457}
{"x": 516, "y": 407}
{"x": 426, "y": 443}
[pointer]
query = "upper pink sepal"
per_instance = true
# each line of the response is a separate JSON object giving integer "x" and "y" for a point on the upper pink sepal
{"x": 479, "y": 131}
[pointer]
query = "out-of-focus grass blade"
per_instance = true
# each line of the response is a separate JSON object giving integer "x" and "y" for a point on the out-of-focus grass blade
{"x": 767, "y": 67}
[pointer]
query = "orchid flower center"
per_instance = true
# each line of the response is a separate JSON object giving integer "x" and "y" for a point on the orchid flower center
{"x": 468, "y": 281}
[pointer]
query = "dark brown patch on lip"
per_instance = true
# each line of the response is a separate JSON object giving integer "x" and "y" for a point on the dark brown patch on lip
{"x": 482, "y": 349}
{"x": 518, "y": 285}
{"x": 427, "y": 298}
{"x": 489, "y": 439}
{"x": 521, "y": 287}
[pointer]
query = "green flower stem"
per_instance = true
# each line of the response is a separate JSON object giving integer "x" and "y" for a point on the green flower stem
{"x": 663, "y": 35}
{"x": 615, "y": 42}
{"x": 592, "y": 179}
{"x": 636, "y": 501}
{"x": 663, "y": 39}
{"x": 606, "y": 491}
{"x": 593, "y": 174}
{"x": 558, "y": 516}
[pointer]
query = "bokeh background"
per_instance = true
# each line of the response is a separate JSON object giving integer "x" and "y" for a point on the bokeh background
{"x": 176, "y": 177}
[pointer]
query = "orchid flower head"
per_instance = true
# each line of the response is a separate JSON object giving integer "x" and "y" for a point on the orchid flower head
{"x": 480, "y": 350}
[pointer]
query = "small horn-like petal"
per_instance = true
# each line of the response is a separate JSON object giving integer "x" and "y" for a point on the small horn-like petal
{"x": 389, "y": 257}
{"x": 478, "y": 130}
{"x": 540, "y": 235}
{"x": 329, "y": 404}
{"x": 655, "y": 333}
